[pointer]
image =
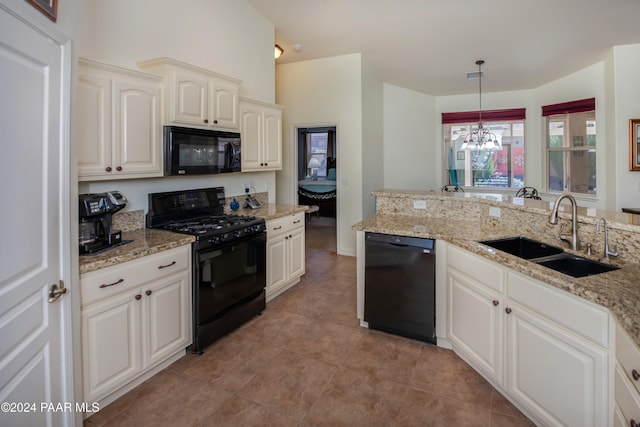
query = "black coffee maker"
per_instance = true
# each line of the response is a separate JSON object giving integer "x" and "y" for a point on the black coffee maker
{"x": 96, "y": 212}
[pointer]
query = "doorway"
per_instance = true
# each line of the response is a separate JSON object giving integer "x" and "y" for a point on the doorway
{"x": 316, "y": 176}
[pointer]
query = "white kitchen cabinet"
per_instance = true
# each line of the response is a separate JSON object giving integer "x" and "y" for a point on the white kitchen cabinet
{"x": 119, "y": 128}
{"x": 475, "y": 322}
{"x": 285, "y": 253}
{"x": 196, "y": 97}
{"x": 627, "y": 380}
{"x": 261, "y": 130}
{"x": 135, "y": 316}
{"x": 555, "y": 345}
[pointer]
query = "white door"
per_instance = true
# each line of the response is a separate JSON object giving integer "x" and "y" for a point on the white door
{"x": 35, "y": 365}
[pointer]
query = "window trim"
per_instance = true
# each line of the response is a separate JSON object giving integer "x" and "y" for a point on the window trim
{"x": 565, "y": 108}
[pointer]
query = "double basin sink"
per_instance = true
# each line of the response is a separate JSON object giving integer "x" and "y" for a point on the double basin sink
{"x": 549, "y": 256}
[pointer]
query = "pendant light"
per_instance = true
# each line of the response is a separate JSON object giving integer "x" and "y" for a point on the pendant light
{"x": 481, "y": 138}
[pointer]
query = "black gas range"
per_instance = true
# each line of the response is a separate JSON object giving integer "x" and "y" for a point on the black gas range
{"x": 229, "y": 258}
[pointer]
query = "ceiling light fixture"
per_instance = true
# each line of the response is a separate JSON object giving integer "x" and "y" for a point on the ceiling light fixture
{"x": 481, "y": 138}
{"x": 278, "y": 52}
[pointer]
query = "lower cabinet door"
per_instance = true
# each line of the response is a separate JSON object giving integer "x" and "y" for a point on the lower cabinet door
{"x": 559, "y": 377}
{"x": 168, "y": 312}
{"x": 296, "y": 253}
{"x": 111, "y": 344}
{"x": 276, "y": 263}
{"x": 475, "y": 323}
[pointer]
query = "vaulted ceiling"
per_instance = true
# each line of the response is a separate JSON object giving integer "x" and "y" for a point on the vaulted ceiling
{"x": 430, "y": 45}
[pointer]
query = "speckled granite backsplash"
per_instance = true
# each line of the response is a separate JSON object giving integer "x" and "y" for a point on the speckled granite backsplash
{"x": 128, "y": 221}
{"x": 524, "y": 217}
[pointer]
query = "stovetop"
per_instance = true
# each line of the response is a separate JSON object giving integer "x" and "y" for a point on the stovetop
{"x": 200, "y": 213}
{"x": 217, "y": 225}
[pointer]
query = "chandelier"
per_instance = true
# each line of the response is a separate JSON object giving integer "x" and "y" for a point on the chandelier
{"x": 481, "y": 138}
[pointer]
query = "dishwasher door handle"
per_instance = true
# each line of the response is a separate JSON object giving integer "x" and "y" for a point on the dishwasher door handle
{"x": 400, "y": 246}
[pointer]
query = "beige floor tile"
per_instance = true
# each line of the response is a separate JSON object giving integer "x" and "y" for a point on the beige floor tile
{"x": 290, "y": 384}
{"x": 356, "y": 398}
{"x": 236, "y": 412}
{"x": 385, "y": 356}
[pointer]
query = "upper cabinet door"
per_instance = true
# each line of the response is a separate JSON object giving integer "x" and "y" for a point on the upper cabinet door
{"x": 251, "y": 131}
{"x": 94, "y": 124}
{"x": 119, "y": 123}
{"x": 189, "y": 98}
{"x": 272, "y": 138}
{"x": 224, "y": 100}
{"x": 138, "y": 136}
{"x": 196, "y": 96}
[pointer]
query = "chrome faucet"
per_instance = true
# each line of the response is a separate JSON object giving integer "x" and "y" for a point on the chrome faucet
{"x": 607, "y": 252}
{"x": 553, "y": 218}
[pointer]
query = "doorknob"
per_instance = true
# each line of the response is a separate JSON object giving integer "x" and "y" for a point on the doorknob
{"x": 57, "y": 290}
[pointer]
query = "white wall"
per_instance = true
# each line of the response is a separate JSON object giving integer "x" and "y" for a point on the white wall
{"x": 373, "y": 168}
{"x": 586, "y": 83}
{"x": 411, "y": 151}
{"x": 626, "y": 86}
{"x": 226, "y": 36}
{"x": 325, "y": 92}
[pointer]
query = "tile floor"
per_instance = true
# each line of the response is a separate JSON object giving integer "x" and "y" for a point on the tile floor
{"x": 306, "y": 362}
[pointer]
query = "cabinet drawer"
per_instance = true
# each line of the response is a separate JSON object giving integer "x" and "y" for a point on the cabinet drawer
{"x": 627, "y": 397}
{"x": 473, "y": 265}
{"x": 110, "y": 281}
{"x": 285, "y": 224}
{"x": 628, "y": 356}
{"x": 575, "y": 314}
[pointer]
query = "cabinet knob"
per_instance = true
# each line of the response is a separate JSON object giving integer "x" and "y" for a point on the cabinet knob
{"x": 508, "y": 310}
{"x": 635, "y": 374}
{"x": 206, "y": 120}
{"x": 119, "y": 168}
{"x": 266, "y": 164}
{"x": 108, "y": 168}
{"x": 148, "y": 292}
{"x": 261, "y": 164}
{"x": 495, "y": 302}
{"x": 137, "y": 297}
{"x": 215, "y": 122}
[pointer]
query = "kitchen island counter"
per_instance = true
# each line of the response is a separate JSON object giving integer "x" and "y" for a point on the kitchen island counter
{"x": 616, "y": 290}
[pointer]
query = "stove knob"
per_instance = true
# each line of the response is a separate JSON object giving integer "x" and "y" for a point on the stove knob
{"x": 237, "y": 233}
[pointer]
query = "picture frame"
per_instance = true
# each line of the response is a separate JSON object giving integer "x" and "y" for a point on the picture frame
{"x": 48, "y": 7}
{"x": 634, "y": 144}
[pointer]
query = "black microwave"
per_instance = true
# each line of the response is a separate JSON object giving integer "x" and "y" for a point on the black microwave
{"x": 189, "y": 151}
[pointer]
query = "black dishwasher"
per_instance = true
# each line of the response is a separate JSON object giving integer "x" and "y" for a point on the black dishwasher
{"x": 399, "y": 287}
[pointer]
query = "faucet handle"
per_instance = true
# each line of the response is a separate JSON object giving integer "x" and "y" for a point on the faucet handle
{"x": 588, "y": 249}
{"x": 614, "y": 253}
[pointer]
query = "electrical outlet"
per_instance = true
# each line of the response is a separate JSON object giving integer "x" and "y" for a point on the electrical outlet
{"x": 419, "y": 204}
{"x": 494, "y": 211}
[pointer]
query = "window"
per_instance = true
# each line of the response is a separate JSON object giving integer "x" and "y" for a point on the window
{"x": 571, "y": 146}
{"x": 318, "y": 143}
{"x": 502, "y": 168}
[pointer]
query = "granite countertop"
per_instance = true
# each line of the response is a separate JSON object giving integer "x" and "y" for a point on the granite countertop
{"x": 144, "y": 241}
{"x": 269, "y": 211}
{"x": 616, "y": 290}
{"x": 147, "y": 241}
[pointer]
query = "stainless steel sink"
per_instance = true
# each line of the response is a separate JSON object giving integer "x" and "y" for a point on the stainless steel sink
{"x": 523, "y": 247}
{"x": 575, "y": 266}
